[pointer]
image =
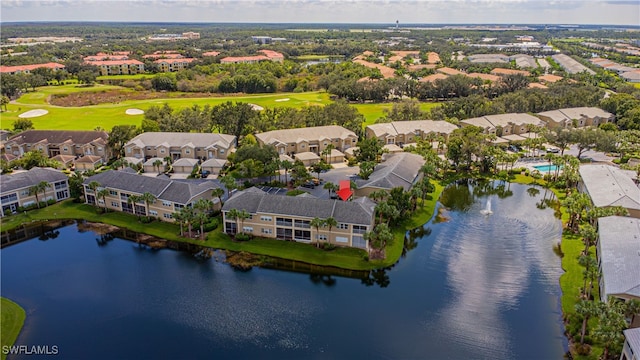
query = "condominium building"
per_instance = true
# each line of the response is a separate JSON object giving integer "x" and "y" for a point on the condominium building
{"x": 404, "y": 132}
{"x": 575, "y": 117}
{"x": 173, "y": 64}
{"x": 504, "y": 124}
{"x": 178, "y": 145}
{"x": 15, "y": 191}
{"x": 311, "y": 139}
{"x": 26, "y": 69}
{"x": 170, "y": 195}
{"x": 289, "y": 218}
{"x": 118, "y": 67}
{"x": 60, "y": 142}
{"x": 610, "y": 186}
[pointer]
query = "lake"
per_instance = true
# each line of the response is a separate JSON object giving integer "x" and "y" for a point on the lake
{"x": 471, "y": 284}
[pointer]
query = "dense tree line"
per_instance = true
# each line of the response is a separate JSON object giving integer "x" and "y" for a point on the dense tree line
{"x": 240, "y": 118}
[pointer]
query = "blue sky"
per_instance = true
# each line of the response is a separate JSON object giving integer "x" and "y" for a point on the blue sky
{"x": 615, "y": 12}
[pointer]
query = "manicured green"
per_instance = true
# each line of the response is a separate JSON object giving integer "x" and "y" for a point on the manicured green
{"x": 374, "y": 111}
{"x": 12, "y": 320}
{"x": 126, "y": 77}
{"x": 107, "y": 115}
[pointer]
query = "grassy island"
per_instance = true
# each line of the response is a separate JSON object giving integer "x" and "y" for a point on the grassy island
{"x": 12, "y": 320}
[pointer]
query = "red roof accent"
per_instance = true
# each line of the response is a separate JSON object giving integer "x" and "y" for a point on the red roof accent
{"x": 345, "y": 190}
{"x": 115, "y": 62}
{"x": 174, "y": 61}
{"x": 240, "y": 59}
{"x": 21, "y": 68}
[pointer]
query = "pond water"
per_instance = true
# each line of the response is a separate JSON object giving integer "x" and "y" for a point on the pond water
{"x": 471, "y": 284}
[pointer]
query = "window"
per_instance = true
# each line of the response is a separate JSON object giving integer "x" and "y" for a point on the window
{"x": 266, "y": 218}
{"x": 167, "y": 216}
{"x": 153, "y": 213}
{"x": 99, "y": 148}
{"x": 321, "y": 237}
{"x": 343, "y": 226}
{"x": 62, "y": 194}
{"x": 161, "y": 151}
{"x": 267, "y": 231}
{"x": 148, "y": 148}
{"x": 115, "y": 204}
{"x": 187, "y": 151}
{"x": 302, "y": 146}
{"x": 359, "y": 229}
{"x": 113, "y": 193}
{"x": 305, "y": 224}
{"x": 248, "y": 229}
{"x": 342, "y": 239}
{"x": 303, "y": 235}
{"x": 24, "y": 193}
{"x": 178, "y": 206}
{"x": 128, "y": 150}
{"x": 166, "y": 203}
{"x": 221, "y": 151}
{"x": 65, "y": 149}
{"x": 284, "y": 222}
{"x": 124, "y": 196}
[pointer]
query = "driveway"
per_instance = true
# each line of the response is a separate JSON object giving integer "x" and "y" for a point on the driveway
{"x": 334, "y": 176}
{"x": 596, "y": 156}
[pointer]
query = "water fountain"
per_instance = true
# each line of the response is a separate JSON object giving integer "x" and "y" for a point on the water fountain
{"x": 487, "y": 209}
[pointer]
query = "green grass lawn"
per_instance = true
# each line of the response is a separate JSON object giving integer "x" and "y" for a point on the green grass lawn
{"x": 12, "y": 320}
{"x": 126, "y": 77}
{"x": 110, "y": 114}
{"x": 374, "y": 111}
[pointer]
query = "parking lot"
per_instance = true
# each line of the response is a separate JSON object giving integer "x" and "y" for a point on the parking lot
{"x": 334, "y": 176}
{"x": 273, "y": 190}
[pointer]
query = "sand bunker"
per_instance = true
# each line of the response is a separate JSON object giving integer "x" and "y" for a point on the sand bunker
{"x": 256, "y": 107}
{"x": 33, "y": 113}
{"x": 134, "y": 112}
{"x": 279, "y": 100}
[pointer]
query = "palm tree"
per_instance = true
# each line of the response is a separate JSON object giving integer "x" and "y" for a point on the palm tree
{"x": 40, "y": 187}
{"x": 330, "y": 222}
{"x": 317, "y": 223}
{"x": 179, "y": 217}
{"x": 327, "y": 151}
{"x": 93, "y": 186}
{"x": 204, "y": 205}
{"x": 378, "y": 195}
{"x": 133, "y": 199}
{"x": 230, "y": 183}
{"x": 286, "y": 165}
{"x": 201, "y": 218}
{"x": 243, "y": 215}
{"x": 148, "y": 198}
{"x": 157, "y": 164}
{"x": 331, "y": 187}
{"x": 218, "y": 192}
{"x": 586, "y": 309}
{"x": 233, "y": 215}
{"x": 103, "y": 194}
{"x": 188, "y": 216}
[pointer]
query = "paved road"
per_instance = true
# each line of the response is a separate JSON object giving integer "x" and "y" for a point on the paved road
{"x": 596, "y": 156}
{"x": 334, "y": 176}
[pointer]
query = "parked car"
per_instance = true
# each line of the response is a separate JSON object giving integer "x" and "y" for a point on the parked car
{"x": 309, "y": 184}
{"x": 553, "y": 150}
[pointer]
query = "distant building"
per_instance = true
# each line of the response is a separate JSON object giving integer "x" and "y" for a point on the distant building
{"x": 26, "y": 69}
{"x": 267, "y": 55}
{"x": 404, "y": 132}
{"x": 570, "y": 65}
{"x": 118, "y": 67}
{"x": 578, "y": 117}
{"x": 15, "y": 188}
{"x": 211, "y": 53}
{"x": 177, "y": 145}
{"x": 311, "y": 139}
{"x": 60, "y": 142}
{"x": 505, "y": 72}
{"x": 504, "y": 124}
{"x": 174, "y": 64}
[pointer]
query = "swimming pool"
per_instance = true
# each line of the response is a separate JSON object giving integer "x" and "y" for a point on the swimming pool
{"x": 546, "y": 168}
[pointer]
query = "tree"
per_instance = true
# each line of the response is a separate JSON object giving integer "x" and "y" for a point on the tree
{"x": 366, "y": 169}
{"x": 75, "y": 185}
{"x": 40, "y": 187}
{"x": 132, "y": 200}
{"x": 379, "y": 237}
{"x": 319, "y": 167}
{"x": 331, "y": 187}
{"x": 148, "y": 198}
{"x": 229, "y": 183}
{"x": 22, "y": 125}
{"x": 385, "y": 209}
{"x": 368, "y": 150}
{"x": 243, "y": 215}
{"x": 93, "y": 186}
{"x": 87, "y": 77}
{"x": 586, "y": 309}
{"x": 576, "y": 204}
{"x": 120, "y": 135}
{"x": 327, "y": 152}
{"x": 286, "y": 166}
{"x": 317, "y": 223}
{"x": 234, "y": 119}
{"x": 164, "y": 82}
{"x": 34, "y": 158}
{"x": 233, "y": 215}
{"x": 218, "y": 192}
{"x": 299, "y": 174}
{"x": 102, "y": 193}
{"x": 4, "y": 101}
{"x": 611, "y": 322}
{"x": 330, "y": 222}
{"x": 158, "y": 164}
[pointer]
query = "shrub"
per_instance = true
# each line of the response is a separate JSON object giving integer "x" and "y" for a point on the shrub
{"x": 146, "y": 219}
{"x": 327, "y": 246}
{"x": 365, "y": 257}
{"x": 243, "y": 237}
{"x": 51, "y": 201}
{"x": 295, "y": 192}
{"x": 210, "y": 226}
